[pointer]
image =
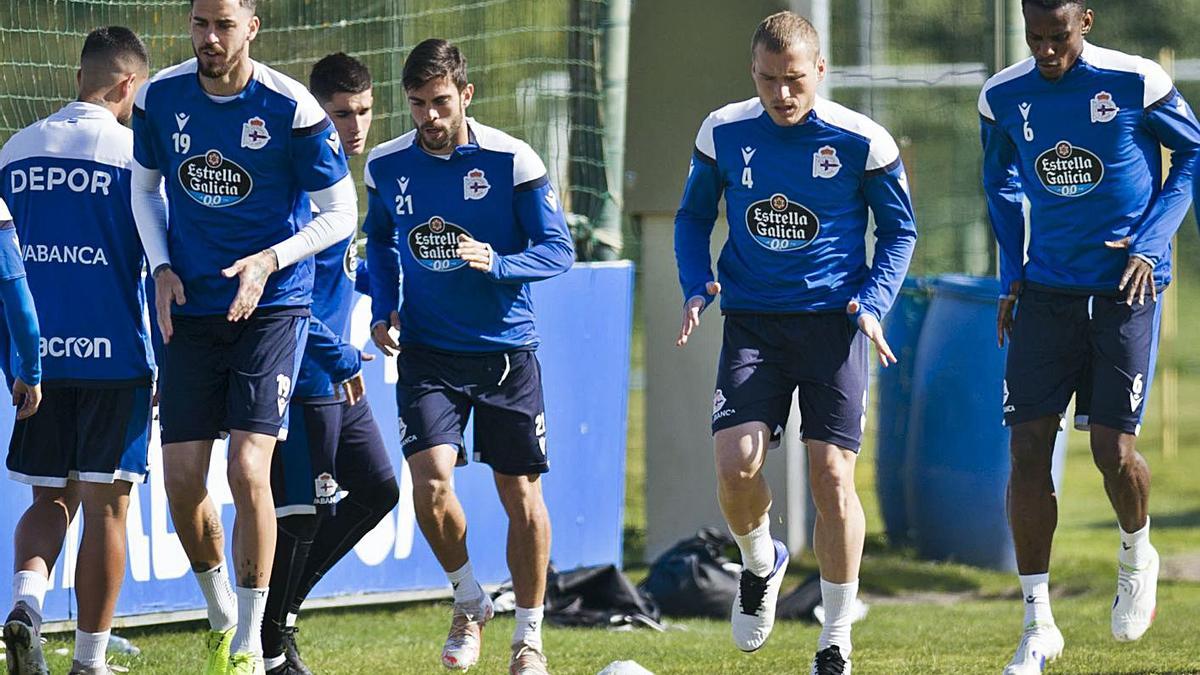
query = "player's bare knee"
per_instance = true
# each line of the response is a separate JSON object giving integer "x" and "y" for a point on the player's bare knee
{"x": 245, "y": 482}
{"x": 521, "y": 497}
{"x": 1113, "y": 452}
{"x": 111, "y": 504}
{"x": 183, "y": 491}
{"x": 833, "y": 490}
{"x": 432, "y": 493}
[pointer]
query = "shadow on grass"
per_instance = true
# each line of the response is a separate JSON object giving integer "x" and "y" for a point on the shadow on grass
{"x": 1182, "y": 519}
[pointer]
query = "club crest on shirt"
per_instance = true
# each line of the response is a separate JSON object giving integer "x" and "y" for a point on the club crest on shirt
{"x": 254, "y": 134}
{"x": 434, "y": 245}
{"x": 1069, "y": 171}
{"x": 780, "y": 224}
{"x": 1103, "y": 108}
{"x": 325, "y": 489}
{"x": 475, "y": 185}
{"x": 826, "y": 163}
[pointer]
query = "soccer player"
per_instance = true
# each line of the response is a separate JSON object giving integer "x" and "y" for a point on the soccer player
{"x": 470, "y": 215}
{"x": 239, "y": 145}
{"x": 334, "y": 446}
{"x": 67, "y": 181}
{"x": 1076, "y": 130}
{"x": 799, "y": 175}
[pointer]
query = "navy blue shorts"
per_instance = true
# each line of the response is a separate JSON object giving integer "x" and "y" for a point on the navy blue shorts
{"x": 84, "y": 433}
{"x": 1095, "y": 347}
{"x": 437, "y": 392}
{"x": 218, "y": 376}
{"x": 765, "y": 357}
{"x": 332, "y": 448}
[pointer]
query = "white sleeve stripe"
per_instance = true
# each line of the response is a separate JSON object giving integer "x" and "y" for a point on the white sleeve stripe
{"x": 338, "y": 205}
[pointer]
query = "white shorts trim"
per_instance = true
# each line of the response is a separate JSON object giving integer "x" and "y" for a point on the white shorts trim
{"x": 109, "y": 478}
{"x": 38, "y": 481}
{"x": 295, "y": 510}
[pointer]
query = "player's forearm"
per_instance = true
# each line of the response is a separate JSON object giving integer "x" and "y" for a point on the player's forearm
{"x": 1176, "y": 128}
{"x": 383, "y": 259}
{"x": 694, "y": 223}
{"x": 21, "y": 317}
{"x": 336, "y": 358}
{"x": 1005, "y": 202}
{"x": 336, "y": 221}
{"x": 552, "y": 251}
{"x": 896, "y": 237}
{"x": 149, "y": 205}
{"x": 692, "y": 240}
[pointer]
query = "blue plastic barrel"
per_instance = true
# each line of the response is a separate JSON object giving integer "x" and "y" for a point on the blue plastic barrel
{"x": 902, "y": 327}
{"x": 957, "y": 463}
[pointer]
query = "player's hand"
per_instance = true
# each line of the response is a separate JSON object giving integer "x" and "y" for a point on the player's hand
{"x": 168, "y": 291}
{"x": 478, "y": 254}
{"x": 691, "y": 313}
{"x": 252, "y": 273}
{"x": 26, "y": 397}
{"x": 1006, "y": 313}
{"x": 1138, "y": 276}
{"x": 869, "y": 325}
{"x": 383, "y": 339}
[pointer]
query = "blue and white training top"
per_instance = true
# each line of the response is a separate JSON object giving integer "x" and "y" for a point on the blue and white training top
{"x": 66, "y": 180}
{"x": 1085, "y": 151}
{"x": 797, "y": 201}
{"x": 494, "y": 189}
{"x": 236, "y": 171}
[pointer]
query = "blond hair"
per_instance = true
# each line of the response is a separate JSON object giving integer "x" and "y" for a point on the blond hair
{"x": 783, "y": 30}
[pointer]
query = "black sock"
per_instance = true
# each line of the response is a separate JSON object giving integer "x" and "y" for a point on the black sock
{"x": 353, "y": 518}
{"x": 294, "y": 540}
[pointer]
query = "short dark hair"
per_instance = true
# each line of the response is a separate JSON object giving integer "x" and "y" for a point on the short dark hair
{"x": 432, "y": 59}
{"x": 783, "y": 30}
{"x": 106, "y": 47}
{"x": 251, "y": 5}
{"x": 338, "y": 73}
{"x": 1055, "y": 4}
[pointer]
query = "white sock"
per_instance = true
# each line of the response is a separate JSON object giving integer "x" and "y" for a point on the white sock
{"x": 252, "y": 605}
{"x": 466, "y": 589}
{"x": 218, "y": 596}
{"x": 758, "y": 550}
{"x": 1035, "y": 588}
{"x": 30, "y": 588}
{"x": 529, "y": 627}
{"x": 274, "y": 661}
{"x": 90, "y": 648}
{"x": 838, "y": 601}
{"x": 1135, "y": 546}
{"x": 290, "y": 620}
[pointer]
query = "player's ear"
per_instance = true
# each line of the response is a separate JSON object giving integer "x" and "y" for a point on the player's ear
{"x": 255, "y": 23}
{"x": 468, "y": 93}
{"x": 1088, "y": 19}
{"x": 820, "y": 69}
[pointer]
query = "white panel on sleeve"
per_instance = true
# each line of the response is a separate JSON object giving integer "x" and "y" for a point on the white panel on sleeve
{"x": 149, "y": 205}
{"x": 338, "y": 206}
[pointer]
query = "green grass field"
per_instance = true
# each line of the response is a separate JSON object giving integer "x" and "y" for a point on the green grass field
{"x": 925, "y": 617}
